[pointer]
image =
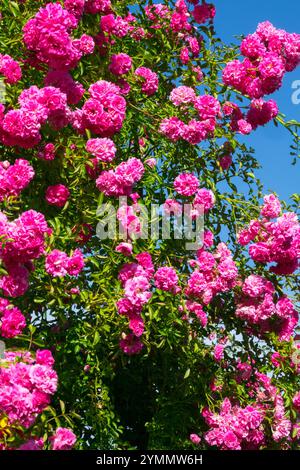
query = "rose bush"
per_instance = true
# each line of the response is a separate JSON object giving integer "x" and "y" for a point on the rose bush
{"x": 137, "y": 342}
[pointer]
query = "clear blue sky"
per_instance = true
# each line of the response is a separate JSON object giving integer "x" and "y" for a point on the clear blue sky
{"x": 235, "y": 17}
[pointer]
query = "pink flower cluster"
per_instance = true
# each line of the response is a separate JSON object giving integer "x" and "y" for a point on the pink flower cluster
{"x": 208, "y": 109}
{"x": 187, "y": 184}
{"x": 96, "y": 6}
{"x": 75, "y": 7}
{"x": 219, "y": 352}
{"x": 103, "y": 113}
{"x": 48, "y": 36}
{"x": 197, "y": 310}
{"x": 269, "y": 398}
{"x": 120, "y": 181}
{"x": 57, "y": 195}
{"x": 157, "y": 11}
{"x": 14, "y": 178}
{"x": 125, "y": 248}
{"x": 22, "y": 126}
{"x": 63, "y": 439}
{"x": 10, "y": 69}
{"x": 260, "y": 113}
{"x": 235, "y": 428}
{"x": 269, "y": 53}
{"x": 171, "y": 206}
{"x": 114, "y": 25}
{"x": 23, "y": 241}
{"x": 178, "y": 23}
{"x": 59, "y": 264}
{"x": 120, "y": 64}
{"x": 256, "y": 305}
{"x": 26, "y": 384}
{"x": 103, "y": 149}
{"x": 271, "y": 207}
{"x": 129, "y": 221}
{"x": 264, "y": 389}
{"x": 12, "y": 321}
{"x": 160, "y": 16}
{"x": 182, "y": 95}
{"x": 274, "y": 241}
{"x": 214, "y": 273}
{"x": 296, "y": 401}
{"x": 207, "y": 106}
{"x": 204, "y": 198}
{"x": 130, "y": 344}
{"x": 203, "y": 13}
{"x": 179, "y": 18}
{"x": 47, "y": 152}
{"x": 281, "y": 426}
{"x": 149, "y": 80}
{"x": 135, "y": 278}
{"x": 35, "y": 443}
{"x": 166, "y": 279}
{"x": 195, "y": 439}
{"x": 64, "y": 81}
{"x": 194, "y": 45}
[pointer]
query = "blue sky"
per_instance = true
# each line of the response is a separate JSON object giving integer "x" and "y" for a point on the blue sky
{"x": 271, "y": 144}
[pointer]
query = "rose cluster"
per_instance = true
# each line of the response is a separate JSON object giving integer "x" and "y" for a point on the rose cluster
{"x": 135, "y": 278}
{"x": 269, "y": 398}
{"x": 59, "y": 264}
{"x": 63, "y": 439}
{"x": 214, "y": 273}
{"x": 91, "y": 6}
{"x": 257, "y": 305}
{"x": 187, "y": 184}
{"x": 269, "y": 53}
{"x": 259, "y": 113}
{"x": 204, "y": 110}
{"x": 47, "y": 35}
{"x": 103, "y": 113}
{"x": 120, "y": 64}
{"x": 12, "y": 321}
{"x": 178, "y": 21}
{"x": 148, "y": 79}
{"x": 235, "y": 428}
{"x": 203, "y": 13}
{"x": 129, "y": 221}
{"x": 274, "y": 241}
{"x": 47, "y": 152}
{"x": 166, "y": 279}
{"x": 10, "y": 69}
{"x": 27, "y": 384}
{"x": 102, "y": 149}
{"x": 64, "y": 81}
{"x": 22, "y": 126}
{"x": 14, "y": 178}
{"x": 119, "y": 182}
{"x": 23, "y": 240}
{"x": 57, "y": 195}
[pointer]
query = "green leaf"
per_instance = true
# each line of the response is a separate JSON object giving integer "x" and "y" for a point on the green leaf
{"x": 96, "y": 338}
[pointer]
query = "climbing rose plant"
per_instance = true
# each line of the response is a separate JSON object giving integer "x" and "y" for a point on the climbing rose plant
{"x": 141, "y": 342}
